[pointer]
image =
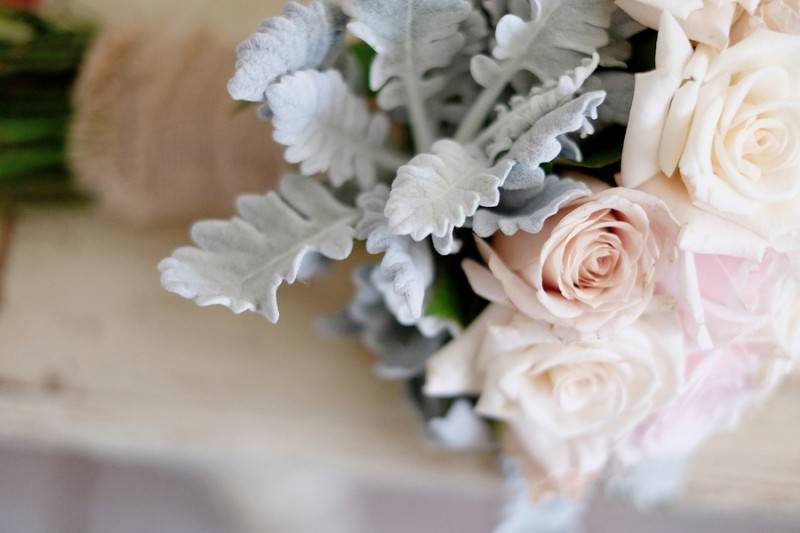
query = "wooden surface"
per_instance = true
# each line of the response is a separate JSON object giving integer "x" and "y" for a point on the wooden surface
{"x": 96, "y": 356}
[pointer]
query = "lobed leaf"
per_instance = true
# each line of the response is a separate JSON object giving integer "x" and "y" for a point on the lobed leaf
{"x": 241, "y": 262}
{"x": 435, "y": 193}
{"x": 402, "y": 351}
{"x": 411, "y": 38}
{"x": 407, "y": 265}
{"x": 559, "y": 34}
{"x": 527, "y": 209}
{"x": 328, "y": 129}
{"x": 304, "y": 37}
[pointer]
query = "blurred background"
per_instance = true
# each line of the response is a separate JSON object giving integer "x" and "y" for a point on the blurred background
{"x": 125, "y": 409}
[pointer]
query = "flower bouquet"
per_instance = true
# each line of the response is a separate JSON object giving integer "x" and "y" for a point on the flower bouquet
{"x": 584, "y": 229}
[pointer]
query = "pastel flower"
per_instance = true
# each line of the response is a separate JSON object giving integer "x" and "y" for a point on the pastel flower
{"x": 721, "y": 385}
{"x": 593, "y": 265}
{"x": 704, "y": 21}
{"x": 728, "y": 125}
{"x": 559, "y": 395}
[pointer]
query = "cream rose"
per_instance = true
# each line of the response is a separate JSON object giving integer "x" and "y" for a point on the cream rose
{"x": 558, "y": 395}
{"x": 727, "y": 124}
{"x": 704, "y": 21}
{"x": 592, "y": 266}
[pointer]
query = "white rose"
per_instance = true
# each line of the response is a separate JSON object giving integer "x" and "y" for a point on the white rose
{"x": 559, "y": 395}
{"x": 728, "y": 124}
{"x": 704, "y": 21}
{"x": 574, "y": 389}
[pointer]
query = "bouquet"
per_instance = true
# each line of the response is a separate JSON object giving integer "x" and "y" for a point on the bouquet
{"x": 585, "y": 216}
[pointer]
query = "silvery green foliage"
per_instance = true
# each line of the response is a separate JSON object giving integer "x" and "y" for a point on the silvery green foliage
{"x": 618, "y": 50}
{"x": 618, "y": 87}
{"x": 328, "y": 129}
{"x": 241, "y": 262}
{"x": 561, "y": 32}
{"x": 552, "y": 515}
{"x": 303, "y": 38}
{"x": 523, "y": 112}
{"x": 406, "y": 264}
{"x": 541, "y": 143}
{"x": 498, "y": 8}
{"x": 461, "y": 428}
{"x": 434, "y": 193}
{"x": 401, "y": 350}
{"x": 412, "y": 38}
{"x": 460, "y": 90}
{"x": 527, "y": 209}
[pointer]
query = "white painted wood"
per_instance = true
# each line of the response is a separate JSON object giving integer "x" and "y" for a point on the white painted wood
{"x": 96, "y": 356}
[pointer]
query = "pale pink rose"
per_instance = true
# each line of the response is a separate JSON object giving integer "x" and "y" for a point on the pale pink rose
{"x": 724, "y": 299}
{"x": 721, "y": 384}
{"x": 740, "y": 319}
{"x": 593, "y": 265}
{"x": 704, "y": 21}
{"x": 727, "y": 125}
{"x": 566, "y": 401}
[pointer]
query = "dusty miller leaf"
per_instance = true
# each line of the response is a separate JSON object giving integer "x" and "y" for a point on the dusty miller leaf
{"x": 451, "y": 103}
{"x": 618, "y": 87}
{"x": 540, "y": 144}
{"x": 618, "y": 50}
{"x": 402, "y": 350}
{"x": 302, "y": 38}
{"x": 326, "y": 128}
{"x": 559, "y": 35}
{"x": 527, "y": 209}
{"x": 411, "y": 38}
{"x": 436, "y": 192}
{"x": 241, "y": 262}
{"x": 461, "y": 428}
{"x": 406, "y": 264}
{"x": 524, "y": 111}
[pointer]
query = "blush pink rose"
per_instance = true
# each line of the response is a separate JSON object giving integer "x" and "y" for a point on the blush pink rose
{"x": 721, "y": 384}
{"x": 736, "y": 314}
{"x": 723, "y": 299}
{"x": 593, "y": 265}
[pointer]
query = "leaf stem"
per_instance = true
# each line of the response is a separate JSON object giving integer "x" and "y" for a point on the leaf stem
{"x": 477, "y": 114}
{"x": 420, "y": 121}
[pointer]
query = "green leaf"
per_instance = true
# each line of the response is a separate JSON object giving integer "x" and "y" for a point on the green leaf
{"x": 25, "y": 130}
{"x": 365, "y": 55}
{"x": 445, "y": 301}
{"x": 19, "y": 161}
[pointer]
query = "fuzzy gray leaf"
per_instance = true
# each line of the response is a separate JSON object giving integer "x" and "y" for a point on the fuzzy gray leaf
{"x": 461, "y": 429}
{"x": 618, "y": 50}
{"x": 559, "y": 35}
{"x": 451, "y": 103}
{"x": 326, "y": 128}
{"x": 402, "y": 351}
{"x": 407, "y": 265}
{"x": 527, "y": 209}
{"x": 241, "y": 262}
{"x": 540, "y": 143}
{"x": 436, "y": 192}
{"x": 618, "y": 87}
{"x": 524, "y": 111}
{"x": 303, "y": 38}
{"x": 411, "y": 38}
